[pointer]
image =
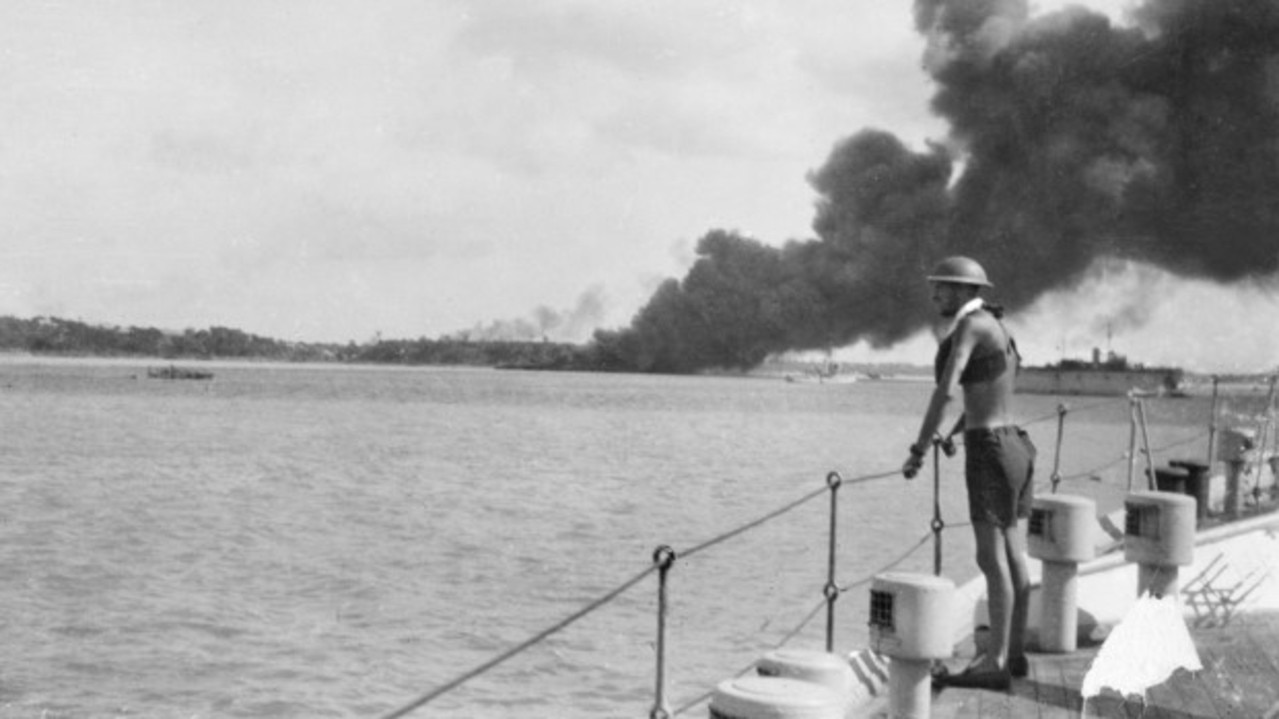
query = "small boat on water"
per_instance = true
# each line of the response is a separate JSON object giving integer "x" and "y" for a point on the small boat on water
{"x": 175, "y": 372}
{"x": 827, "y": 371}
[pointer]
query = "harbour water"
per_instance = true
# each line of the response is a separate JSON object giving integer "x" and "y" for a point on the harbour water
{"x": 300, "y": 541}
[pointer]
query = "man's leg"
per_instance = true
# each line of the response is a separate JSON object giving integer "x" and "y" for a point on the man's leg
{"x": 1019, "y": 575}
{"x": 992, "y": 559}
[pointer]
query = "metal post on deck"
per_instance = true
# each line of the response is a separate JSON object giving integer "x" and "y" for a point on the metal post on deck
{"x": 1145, "y": 440}
{"x": 1132, "y": 439}
{"x": 1061, "y": 428}
{"x": 1263, "y": 436}
{"x": 1272, "y": 423}
{"x": 1212, "y": 425}
{"x": 831, "y": 591}
{"x": 938, "y": 525}
{"x": 663, "y": 557}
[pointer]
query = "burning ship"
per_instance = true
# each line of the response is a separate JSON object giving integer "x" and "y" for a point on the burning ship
{"x": 1111, "y": 376}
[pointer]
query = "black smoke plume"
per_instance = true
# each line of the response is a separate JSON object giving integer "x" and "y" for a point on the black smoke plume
{"x": 1072, "y": 140}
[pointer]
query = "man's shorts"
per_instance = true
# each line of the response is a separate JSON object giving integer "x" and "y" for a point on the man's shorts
{"x": 998, "y": 466}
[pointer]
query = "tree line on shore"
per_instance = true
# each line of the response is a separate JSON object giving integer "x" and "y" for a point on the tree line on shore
{"x": 54, "y": 336}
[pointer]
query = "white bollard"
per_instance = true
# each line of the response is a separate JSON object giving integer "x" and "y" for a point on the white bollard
{"x": 911, "y": 621}
{"x": 822, "y": 668}
{"x": 756, "y": 697}
{"x": 1060, "y": 534}
{"x": 1159, "y": 536}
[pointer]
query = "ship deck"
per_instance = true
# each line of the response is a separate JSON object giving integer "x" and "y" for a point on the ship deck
{"x": 1239, "y": 679}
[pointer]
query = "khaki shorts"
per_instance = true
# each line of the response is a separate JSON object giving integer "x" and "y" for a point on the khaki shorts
{"x": 999, "y": 464}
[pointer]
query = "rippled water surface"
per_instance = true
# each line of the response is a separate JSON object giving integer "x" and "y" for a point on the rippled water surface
{"x": 311, "y": 542}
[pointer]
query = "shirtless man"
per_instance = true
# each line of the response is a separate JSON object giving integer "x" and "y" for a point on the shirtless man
{"x": 979, "y": 357}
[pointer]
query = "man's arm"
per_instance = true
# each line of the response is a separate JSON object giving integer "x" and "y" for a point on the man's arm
{"x": 943, "y": 394}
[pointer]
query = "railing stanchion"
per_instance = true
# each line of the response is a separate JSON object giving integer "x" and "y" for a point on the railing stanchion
{"x": 938, "y": 525}
{"x": 1212, "y": 426}
{"x": 1145, "y": 439}
{"x": 831, "y": 590}
{"x": 1132, "y": 439}
{"x": 1061, "y": 428}
{"x": 1263, "y": 436}
{"x": 663, "y": 557}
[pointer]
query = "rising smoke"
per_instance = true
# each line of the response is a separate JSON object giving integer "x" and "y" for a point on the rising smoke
{"x": 1072, "y": 141}
{"x": 545, "y": 323}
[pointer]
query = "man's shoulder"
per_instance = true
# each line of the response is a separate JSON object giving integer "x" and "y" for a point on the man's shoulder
{"x": 978, "y": 324}
{"x": 981, "y": 319}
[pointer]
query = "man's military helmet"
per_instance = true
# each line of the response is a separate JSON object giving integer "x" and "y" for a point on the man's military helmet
{"x": 960, "y": 270}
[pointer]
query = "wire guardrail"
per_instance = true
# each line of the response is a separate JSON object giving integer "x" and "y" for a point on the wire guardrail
{"x": 698, "y": 548}
{"x": 522, "y": 647}
{"x": 809, "y": 617}
{"x": 664, "y": 557}
{"x": 1094, "y": 474}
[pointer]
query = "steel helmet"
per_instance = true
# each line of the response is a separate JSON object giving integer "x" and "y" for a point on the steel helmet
{"x": 960, "y": 270}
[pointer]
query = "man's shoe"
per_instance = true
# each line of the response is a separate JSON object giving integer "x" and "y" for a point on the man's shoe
{"x": 1018, "y": 667}
{"x": 997, "y": 679}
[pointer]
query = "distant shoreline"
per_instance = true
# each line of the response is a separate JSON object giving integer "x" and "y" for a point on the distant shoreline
{"x": 1195, "y": 383}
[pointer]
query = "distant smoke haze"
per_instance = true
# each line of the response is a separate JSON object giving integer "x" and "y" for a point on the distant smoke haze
{"x": 1073, "y": 143}
{"x": 569, "y": 325}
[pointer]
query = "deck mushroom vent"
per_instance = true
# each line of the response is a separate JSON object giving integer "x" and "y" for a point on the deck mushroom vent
{"x": 912, "y": 622}
{"x": 1060, "y": 534}
{"x": 1159, "y": 536}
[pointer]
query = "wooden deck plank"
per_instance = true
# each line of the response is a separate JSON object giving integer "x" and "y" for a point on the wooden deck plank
{"x": 1049, "y": 692}
{"x": 1240, "y": 680}
{"x": 1063, "y": 697}
{"x": 1000, "y": 706}
{"x": 1073, "y": 668}
{"x": 1263, "y": 626}
{"x": 1046, "y": 688}
{"x": 1193, "y": 698}
{"x": 1237, "y": 668}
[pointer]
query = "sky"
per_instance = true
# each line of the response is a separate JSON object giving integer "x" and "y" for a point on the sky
{"x": 339, "y": 170}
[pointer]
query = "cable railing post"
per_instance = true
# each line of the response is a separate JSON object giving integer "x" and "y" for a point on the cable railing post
{"x": 1061, "y": 428}
{"x": 831, "y": 590}
{"x": 663, "y": 557}
{"x": 937, "y": 524}
{"x": 1145, "y": 438}
{"x": 1132, "y": 439}
{"x": 1212, "y": 425}
{"x": 1263, "y": 436}
{"x": 1273, "y": 423}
